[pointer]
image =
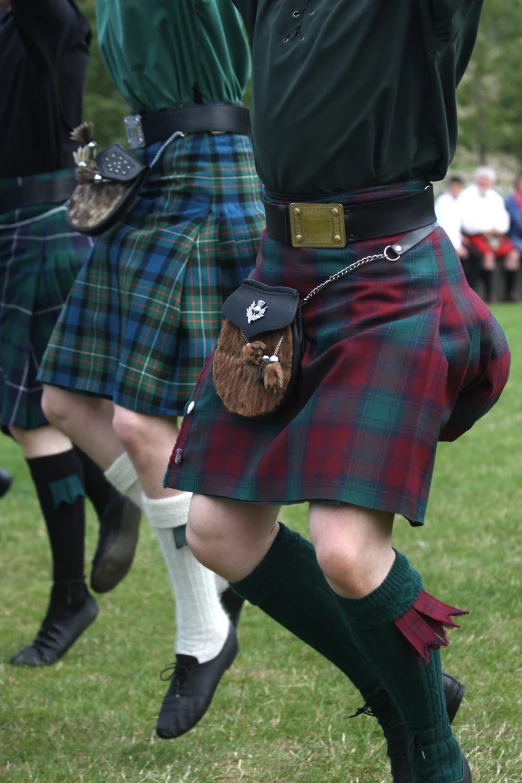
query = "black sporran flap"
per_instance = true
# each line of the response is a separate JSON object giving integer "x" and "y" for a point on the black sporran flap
{"x": 254, "y": 377}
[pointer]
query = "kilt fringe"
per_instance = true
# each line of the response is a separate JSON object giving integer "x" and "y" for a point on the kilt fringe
{"x": 424, "y": 624}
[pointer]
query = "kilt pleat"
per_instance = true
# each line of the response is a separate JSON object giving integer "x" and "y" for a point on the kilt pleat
{"x": 145, "y": 310}
{"x": 397, "y": 357}
{"x": 39, "y": 260}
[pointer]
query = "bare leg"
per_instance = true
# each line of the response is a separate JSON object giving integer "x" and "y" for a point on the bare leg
{"x": 87, "y": 421}
{"x": 41, "y": 442}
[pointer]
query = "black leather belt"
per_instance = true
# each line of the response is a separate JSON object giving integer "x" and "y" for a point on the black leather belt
{"x": 148, "y": 128}
{"x": 29, "y": 193}
{"x": 317, "y": 224}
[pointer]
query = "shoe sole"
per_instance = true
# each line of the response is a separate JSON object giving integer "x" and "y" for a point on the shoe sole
{"x": 232, "y": 655}
{"x": 115, "y": 564}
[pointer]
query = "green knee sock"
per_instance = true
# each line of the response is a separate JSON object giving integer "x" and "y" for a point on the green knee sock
{"x": 289, "y": 587}
{"x": 415, "y": 687}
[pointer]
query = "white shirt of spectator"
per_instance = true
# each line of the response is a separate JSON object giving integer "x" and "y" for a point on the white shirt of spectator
{"x": 447, "y": 209}
{"x": 483, "y": 212}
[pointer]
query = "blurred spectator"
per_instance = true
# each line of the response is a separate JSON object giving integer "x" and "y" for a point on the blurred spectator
{"x": 514, "y": 207}
{"x": 447, "y": 209}
{"x": 485, "y": 223}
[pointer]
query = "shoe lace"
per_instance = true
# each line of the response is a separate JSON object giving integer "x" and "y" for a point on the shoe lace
{"x": 179, "y": 673}
{"x": 366, "y": 709}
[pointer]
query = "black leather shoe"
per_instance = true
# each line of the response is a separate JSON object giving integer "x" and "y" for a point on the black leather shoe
{"x": 117, "y": 542}
{"x": 192, "y": 686}
{"x": 56, "y": 635}
{"x": 400, "y": 762}
{"x": 5, "y": 481}
{"x": 466, "y": 777}
{"x": 232, "y": 604}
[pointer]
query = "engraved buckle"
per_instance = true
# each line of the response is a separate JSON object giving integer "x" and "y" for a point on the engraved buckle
{"x": 317, "y": 225}
{"x": 134, "y": 129}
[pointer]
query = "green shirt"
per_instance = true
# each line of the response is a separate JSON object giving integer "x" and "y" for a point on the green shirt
{"x": 163, "y": 53}
{"x": 349, "y": 94}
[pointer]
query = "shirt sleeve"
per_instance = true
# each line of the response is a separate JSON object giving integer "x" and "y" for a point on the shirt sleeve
{"x": 449, "y": 16}
{"x": 45, "y": 26}
{"x": 248, "y": 11}
{"x": 502, "y": 218}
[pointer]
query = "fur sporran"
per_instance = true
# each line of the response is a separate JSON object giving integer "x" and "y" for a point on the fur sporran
{"x": 257, "y": 361}
{"x": 108, "y": 184}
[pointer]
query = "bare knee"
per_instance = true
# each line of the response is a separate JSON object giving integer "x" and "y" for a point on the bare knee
{"x": 131, "y": 428}
{"x": 230, "y": 538}
{"x": 353, "y": 547}
{"x": 61, "y": 405}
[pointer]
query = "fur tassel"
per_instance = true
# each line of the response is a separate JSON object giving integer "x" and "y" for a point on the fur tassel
{"x": 425, "y": 622}
{"x": 273, "y": 376}
{"x": 253, "y": 353}
{"x": 84, "y": 133}
{"x": 82, "y": 155}
{"x": 85, "y": 175}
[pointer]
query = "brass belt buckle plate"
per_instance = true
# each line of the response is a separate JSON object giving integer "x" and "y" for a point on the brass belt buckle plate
{"x": 317, "y": 225}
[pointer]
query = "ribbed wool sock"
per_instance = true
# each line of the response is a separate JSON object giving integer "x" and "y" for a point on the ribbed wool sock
{"x": 202, "y": 624}
{"x": 510, "y": 278}
{"x": 58, "y": 482}
{"x": 289, "y": 587}
{"x": 416, "y": 688}
{"x": 122, "y": 475}
{"x": 97, "y": 488}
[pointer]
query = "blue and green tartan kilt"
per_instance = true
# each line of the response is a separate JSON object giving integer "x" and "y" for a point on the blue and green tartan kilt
{"x": 145, "y": 310}
{"x": 39, "y": 259}
{"x": 397, "y": 357}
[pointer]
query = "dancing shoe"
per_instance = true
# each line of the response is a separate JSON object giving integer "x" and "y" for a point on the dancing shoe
{"x": 192, "y": 686}
{"x": 5, "y": 481}
{"x": 117, "y": 542}
{"x": 57, "y": 634}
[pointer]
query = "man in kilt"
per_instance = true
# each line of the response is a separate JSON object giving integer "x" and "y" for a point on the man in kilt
{"x": 145, "y": 310}
{"x": 354, "y": 113}
{"x": 44, "y": 48}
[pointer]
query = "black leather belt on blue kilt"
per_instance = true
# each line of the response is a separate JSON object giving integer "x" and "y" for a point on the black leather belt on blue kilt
{"x": 148, "y": 128}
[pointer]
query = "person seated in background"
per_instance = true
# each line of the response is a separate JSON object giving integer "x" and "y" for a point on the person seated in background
{"x": 514, "y": 207}
{"x": 485, "y": 224}
{"x": 448, "y": 215}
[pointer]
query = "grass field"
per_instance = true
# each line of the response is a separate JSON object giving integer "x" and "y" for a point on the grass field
{"x": 280, "y": 713}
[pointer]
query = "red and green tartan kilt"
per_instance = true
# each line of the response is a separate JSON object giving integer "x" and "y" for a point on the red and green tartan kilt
{"x": 397, "y": 357}
{"x": 145, "y": 310}
{"x": 39, "y": 260}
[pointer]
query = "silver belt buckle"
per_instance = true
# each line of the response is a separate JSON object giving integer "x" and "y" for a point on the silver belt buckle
{"x": 134, "y": 129}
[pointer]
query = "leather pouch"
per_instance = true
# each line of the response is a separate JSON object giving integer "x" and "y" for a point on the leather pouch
{"x": 108, "y": 184}
{"x": 257, "y": 361}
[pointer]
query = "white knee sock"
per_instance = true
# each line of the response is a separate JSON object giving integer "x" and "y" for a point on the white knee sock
{"x": 122, "y": 475}
{"x": 202, "y": 624}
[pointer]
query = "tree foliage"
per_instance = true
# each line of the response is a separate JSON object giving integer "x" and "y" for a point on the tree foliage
{"x": 490, "y": 97}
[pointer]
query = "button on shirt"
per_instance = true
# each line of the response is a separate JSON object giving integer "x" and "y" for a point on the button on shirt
{"x": 483, "y": 211}
{"x": 43, "y": 60}
{"x": 350, "y": 94}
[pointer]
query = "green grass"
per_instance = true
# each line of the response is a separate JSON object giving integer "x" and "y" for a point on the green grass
{"x": 280, "y": 713}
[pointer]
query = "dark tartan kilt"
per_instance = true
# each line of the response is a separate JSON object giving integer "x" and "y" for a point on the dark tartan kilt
{"x": 398, "y": 356}
{"x": 39, "y": 260}
{"x": 145, "y": 310}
